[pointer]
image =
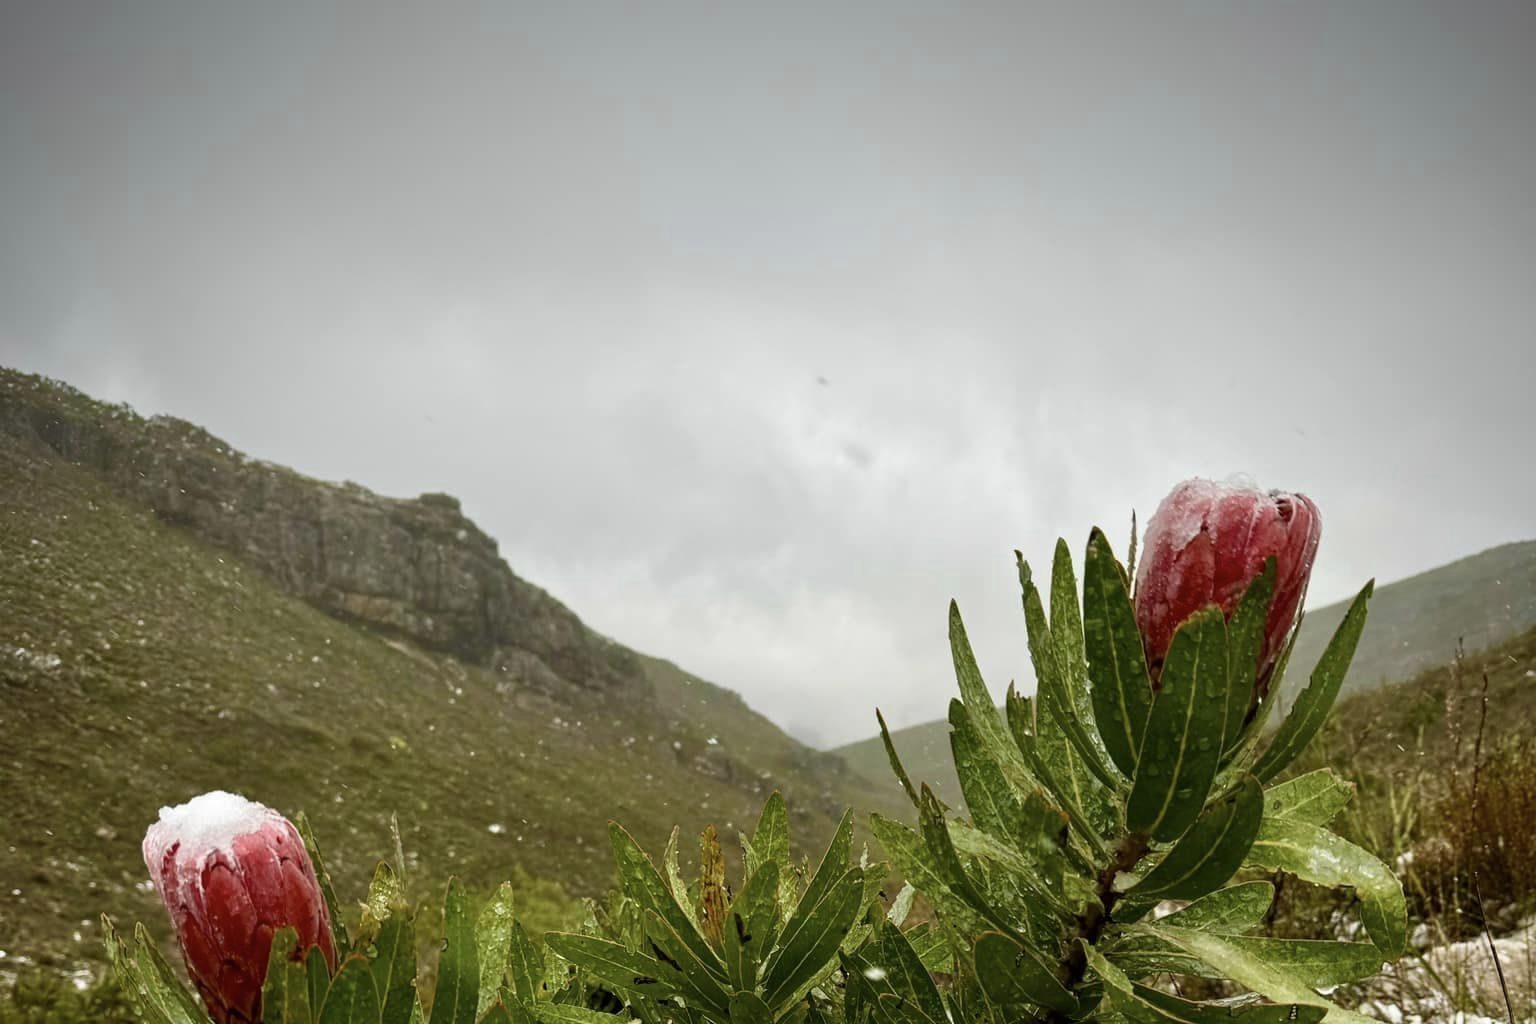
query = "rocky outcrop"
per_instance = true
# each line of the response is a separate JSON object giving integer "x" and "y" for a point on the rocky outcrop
{"x": 413, "y": 567}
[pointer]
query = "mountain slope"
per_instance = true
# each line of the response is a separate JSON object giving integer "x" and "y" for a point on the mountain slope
{"x": 141, "y": 663}
{"x": 1413, "y": 626}
{"x": 1415, "y": 623}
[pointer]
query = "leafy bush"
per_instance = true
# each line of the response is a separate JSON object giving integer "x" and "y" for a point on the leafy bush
{"x": 41, "y": 997}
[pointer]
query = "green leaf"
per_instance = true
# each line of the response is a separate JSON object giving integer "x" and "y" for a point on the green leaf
{"x": 527, "y": 967}
{"x": 1141, "y": 955}
{"x": 1225, "y": 1013}
{"x": 905, "y": 975}
{"x": 387, "y": 935}
{"x": 1232, "y": 910}
{"x": 698, "y": 981}
{"x": 493, "y": 944}
{"x": 770, "y": 840}
{"x": 834, "y": 862}
{"x": 1246, "y": 752}
{"x": 1121, "y": 995}
{"x": 612, "y": 964}
{"x": 1212, "y": 850}
{"x": 988, "y": 796}
{"x": 1067, "y": 628}
{"x": 675, "y": 877}
{"x": 1117, "y": 665}
{"x": 811, "y": 937}
{"x": 1055, "y": 794}
{"x": 1317, "y": 855}
{"x": 285, "y": 994}
{"x": 159, "y": 975}
{"x": 1016, "y": 977}
{"x": 1047, "y": 889}
{"x": 905, "y": 846}
{"x": 1245, "y": 643}
{"x": 932, "y": 948}
{"x": 455, "y": 1000}
{"x": 890, "y": 977}
{"x": 499, "y": 1014}
{"x": 1073, "y": 755}
{"x": 946, "y": 861}
{"x": 318, "y": 974}
{"x": 154, "y": 992}
{"x": 1067, "y": 637}
{"x": 895, "y": 759}
{"x": 1312, "y": 706}
{"x": 1251, "y": 972}
{"x": 751, "y": 926}
{"x": 1317, "y": 964}
{"x": 394, "y": 968}
{"x": 1182, "y": 747}
{"x": 749, "y": 1008}
{"x": 1315, "y": 798}
{"x": 564, "y": 1013}
{"x": 339, "y": 937}
{"x": 978, "y": 701}
{"x": 352, "y": 999}
{"x": 1320, "y": 964}
{"x": 643, "y": 884}
{"x": 892, "y": 1008}
{"x": 859, "y": 997}
{"x": 386, "y": 896}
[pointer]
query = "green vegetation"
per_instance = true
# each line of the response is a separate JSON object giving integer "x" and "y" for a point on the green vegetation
{"x": 43, "y": 996}
{"x": 1446, "y": 765}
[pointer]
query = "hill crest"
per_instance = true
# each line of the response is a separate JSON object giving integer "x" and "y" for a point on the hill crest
{"x": 415, "y": 567}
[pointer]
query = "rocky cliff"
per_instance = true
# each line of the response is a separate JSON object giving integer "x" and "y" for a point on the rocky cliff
{"x": 414, "y": 567}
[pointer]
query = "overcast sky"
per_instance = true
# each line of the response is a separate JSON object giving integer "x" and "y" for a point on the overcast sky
{"x": 756, "y": 333}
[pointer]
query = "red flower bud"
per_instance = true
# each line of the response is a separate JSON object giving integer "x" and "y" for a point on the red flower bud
{"x": 231, "y": 873}
{"x": 1206, "y": 544}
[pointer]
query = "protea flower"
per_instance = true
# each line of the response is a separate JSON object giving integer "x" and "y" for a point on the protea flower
{"x": 1207, "y": 542}
{"x": 231, "y": 872}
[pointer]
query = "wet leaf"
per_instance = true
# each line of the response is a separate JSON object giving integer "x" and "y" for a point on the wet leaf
{"x": 1117, "y": 664}
{"x": 1183, "y": 742}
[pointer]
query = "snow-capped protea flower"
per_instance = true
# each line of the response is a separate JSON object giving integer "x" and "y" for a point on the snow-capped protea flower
{"x": 231, "y": 873}
{"x": 1207, "y": 542}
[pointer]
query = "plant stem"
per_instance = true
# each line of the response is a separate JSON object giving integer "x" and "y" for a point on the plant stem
{"x": 1090, "y": 925}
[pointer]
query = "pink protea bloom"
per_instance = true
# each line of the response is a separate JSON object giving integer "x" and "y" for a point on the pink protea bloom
{"x": 1207, "y": 542}
{"x": 231, "y": 873}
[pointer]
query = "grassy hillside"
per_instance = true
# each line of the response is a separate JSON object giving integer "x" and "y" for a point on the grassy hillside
{"x": 1415, "y": 623}
{"x": 139, "y": 666}
{"x": 1430, "y": 724}
{"x": 1414, "y": 626}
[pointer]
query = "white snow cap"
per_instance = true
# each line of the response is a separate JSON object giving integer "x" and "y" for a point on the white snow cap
{"x": 202, "y": 825}
{"x": 1173, "y": 515}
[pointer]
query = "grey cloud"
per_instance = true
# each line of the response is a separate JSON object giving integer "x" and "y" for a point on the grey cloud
{"x": 585, "y": 266}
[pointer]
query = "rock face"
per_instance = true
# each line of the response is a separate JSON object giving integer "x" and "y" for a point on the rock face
{"x": 413, "y": 567}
